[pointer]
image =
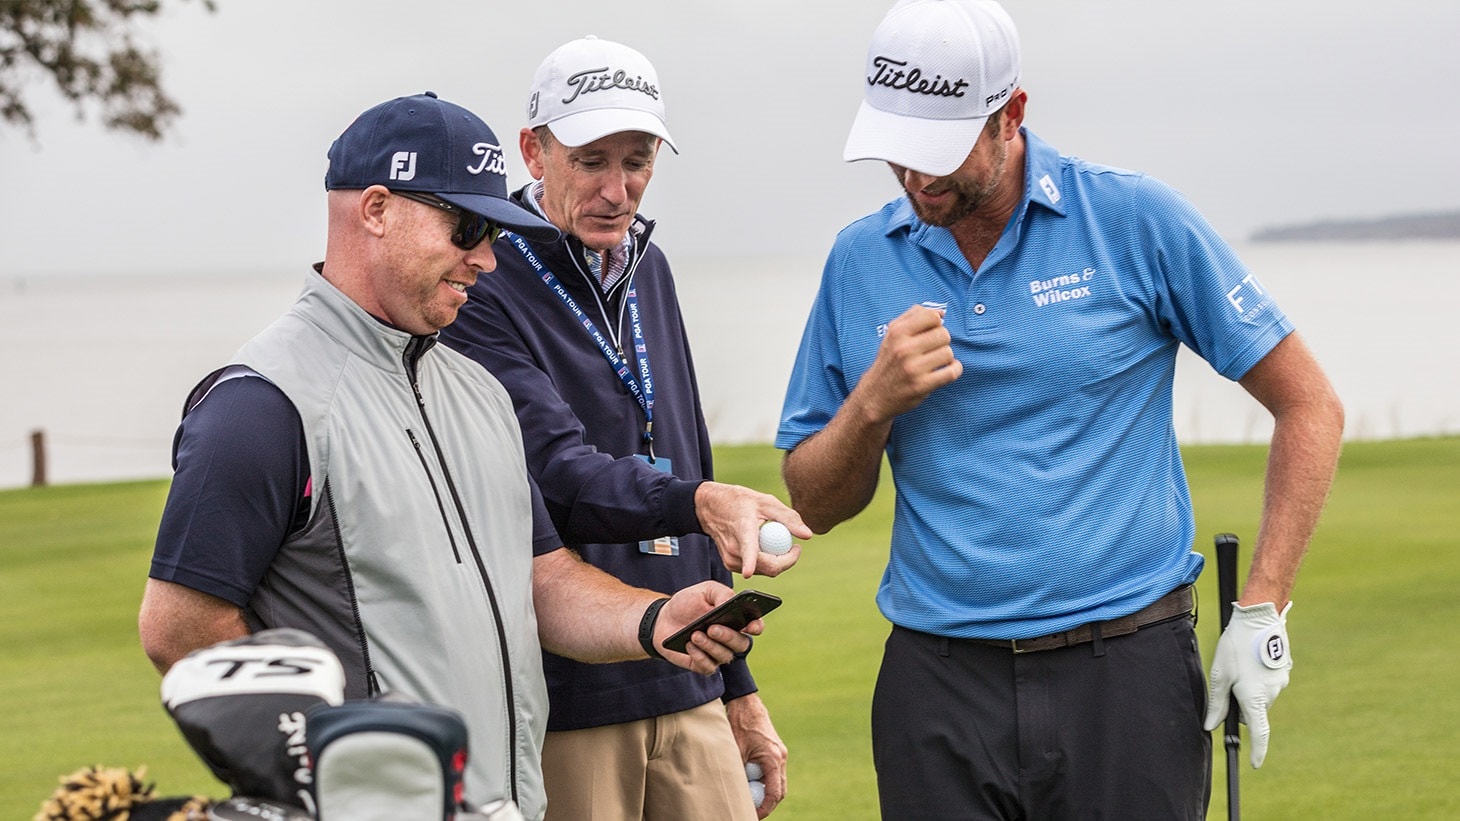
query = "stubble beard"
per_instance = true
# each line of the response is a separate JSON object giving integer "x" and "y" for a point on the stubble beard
{"x": 968, "y": 196}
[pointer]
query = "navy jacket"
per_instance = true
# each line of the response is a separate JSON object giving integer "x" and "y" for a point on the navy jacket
{"x": 583, "y": 432}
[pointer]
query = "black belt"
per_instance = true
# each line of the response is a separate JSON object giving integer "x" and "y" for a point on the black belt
{"x": 1180, "y": 601}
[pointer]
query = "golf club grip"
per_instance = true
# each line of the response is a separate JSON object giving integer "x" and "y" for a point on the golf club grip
{"x": 1226, "y": 573}
{"x": 1227, "y": 588}
{"x": 1226, "y": 546}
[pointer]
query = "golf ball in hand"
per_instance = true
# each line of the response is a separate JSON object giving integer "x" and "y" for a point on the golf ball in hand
{"x": 757, "y": 793}
{"x": 775, "y": 539}
{"x": 753, "y": 771}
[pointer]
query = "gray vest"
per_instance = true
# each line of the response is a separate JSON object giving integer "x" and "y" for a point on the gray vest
{"x": 415, "y": 567}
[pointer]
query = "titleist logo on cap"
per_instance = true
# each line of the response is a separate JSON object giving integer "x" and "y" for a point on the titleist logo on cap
{"x": 493, "y": 160}
{"x": 936, "y": 71}
{"x": 588, "y": 89}
{"x": 600, "y": 79}
{"x": 895, "y": 74}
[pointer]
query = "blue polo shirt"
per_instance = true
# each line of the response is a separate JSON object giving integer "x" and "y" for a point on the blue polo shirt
{"x": 1044, "y": 488}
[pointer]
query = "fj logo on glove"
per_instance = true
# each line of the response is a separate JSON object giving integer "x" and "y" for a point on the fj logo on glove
{"x": 1275, "y": 651}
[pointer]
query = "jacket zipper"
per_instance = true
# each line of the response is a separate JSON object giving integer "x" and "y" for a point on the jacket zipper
{"x": 625, "y": 283}
{"x": 372, "y": 683}
{"x": 413, "y": 352}
{"x": 435, "y": 489}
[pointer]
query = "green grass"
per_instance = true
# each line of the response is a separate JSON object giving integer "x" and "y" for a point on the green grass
{"x": 1366, "y": 730}
{"x": 77, "y": 688}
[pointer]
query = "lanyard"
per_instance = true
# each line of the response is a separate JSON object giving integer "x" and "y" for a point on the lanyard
{"x": 642, "y": 388}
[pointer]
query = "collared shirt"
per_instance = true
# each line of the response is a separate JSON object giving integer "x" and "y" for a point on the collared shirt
{"x": 1044, "y": 488}
{"x": 618, "y": 256}
{"x": 583, "y": 435}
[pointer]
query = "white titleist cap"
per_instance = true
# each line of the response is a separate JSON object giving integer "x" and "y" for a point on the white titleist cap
{"x": 936, "y": 70}
{"x": 591, "y": 88}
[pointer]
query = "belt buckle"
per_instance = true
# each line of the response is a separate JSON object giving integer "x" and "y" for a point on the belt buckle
{"x": 1014, "y": 647}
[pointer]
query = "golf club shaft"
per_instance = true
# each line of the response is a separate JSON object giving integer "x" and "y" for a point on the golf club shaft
{"x": 1226, "y": 546}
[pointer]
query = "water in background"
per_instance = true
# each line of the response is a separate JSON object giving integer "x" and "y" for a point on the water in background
{"x": 102, "y": 363}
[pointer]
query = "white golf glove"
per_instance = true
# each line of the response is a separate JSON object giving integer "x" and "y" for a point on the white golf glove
{"x": 1251, "y": 662}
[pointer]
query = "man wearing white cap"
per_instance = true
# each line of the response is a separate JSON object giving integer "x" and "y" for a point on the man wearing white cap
{"x": 1006, "y": 333}
{"x": 586, "y": 335}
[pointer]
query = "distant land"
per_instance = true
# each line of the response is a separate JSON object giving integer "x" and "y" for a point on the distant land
{"x": 1413, "y": 226}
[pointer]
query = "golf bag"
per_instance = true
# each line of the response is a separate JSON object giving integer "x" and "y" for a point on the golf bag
{"x": 267, "y": 714}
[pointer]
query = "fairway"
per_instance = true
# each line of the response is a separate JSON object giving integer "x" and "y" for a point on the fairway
{"x": 1367, "y": 729}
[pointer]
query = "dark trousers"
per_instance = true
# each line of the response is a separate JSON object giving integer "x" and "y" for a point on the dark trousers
{"x": 1105, "y": 730}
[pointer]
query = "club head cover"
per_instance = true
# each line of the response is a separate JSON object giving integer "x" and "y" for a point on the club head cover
{"x": 388, "y": 758}
{"x": 241, "y": 706}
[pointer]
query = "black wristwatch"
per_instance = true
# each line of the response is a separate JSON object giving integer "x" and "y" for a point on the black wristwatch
{"x": 646, "y": 627}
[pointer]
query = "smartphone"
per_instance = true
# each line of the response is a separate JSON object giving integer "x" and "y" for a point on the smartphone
{"x": 735, "y": 612}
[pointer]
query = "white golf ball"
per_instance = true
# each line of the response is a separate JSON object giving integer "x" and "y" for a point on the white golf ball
{"x": 753, "y": 771}
{"x": 775, "y": 539}
{"x": 757, "y": 793}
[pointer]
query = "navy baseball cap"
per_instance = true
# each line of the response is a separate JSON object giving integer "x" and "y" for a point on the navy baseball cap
{"x": 428, "y": 145}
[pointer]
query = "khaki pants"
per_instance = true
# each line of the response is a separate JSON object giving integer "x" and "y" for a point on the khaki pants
{"x": 679, "y": 767}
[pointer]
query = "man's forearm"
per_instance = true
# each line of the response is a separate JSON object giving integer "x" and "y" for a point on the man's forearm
{"x": 584, "y": 613}
{"x": 1300, "y": 469}
{"x": 832, "y": 475}
{"x": 1307, "y": 435}
{"x": 588, "y": 615}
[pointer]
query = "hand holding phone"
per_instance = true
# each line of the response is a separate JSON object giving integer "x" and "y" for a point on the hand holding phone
{"x": 735, "y": 612}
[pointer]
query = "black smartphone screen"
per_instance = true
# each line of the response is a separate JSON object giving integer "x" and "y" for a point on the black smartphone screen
{"x": 736, "y": 612}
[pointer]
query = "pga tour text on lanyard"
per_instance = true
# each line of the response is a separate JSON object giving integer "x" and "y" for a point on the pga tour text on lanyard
{"x": 642, "y": 388}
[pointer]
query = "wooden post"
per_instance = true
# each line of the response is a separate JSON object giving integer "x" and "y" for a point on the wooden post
{"x": 38, "y": 458}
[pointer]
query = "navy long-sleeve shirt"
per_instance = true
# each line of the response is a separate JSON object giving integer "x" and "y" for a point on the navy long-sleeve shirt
{"x": 584, "y": 433}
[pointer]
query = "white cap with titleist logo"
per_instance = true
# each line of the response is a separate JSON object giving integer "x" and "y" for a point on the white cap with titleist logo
{"x": 936, "y": 70}
{"x": 591, "y": 88}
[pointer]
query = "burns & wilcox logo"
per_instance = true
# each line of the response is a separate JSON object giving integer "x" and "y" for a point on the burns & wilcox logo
{"x": 1061, "y": 288}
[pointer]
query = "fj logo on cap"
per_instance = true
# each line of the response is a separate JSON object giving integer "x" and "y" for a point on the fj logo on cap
{"x": 895, "y": 74}
{"x": 493, "y": 162}
{"x": 403, "y": 166}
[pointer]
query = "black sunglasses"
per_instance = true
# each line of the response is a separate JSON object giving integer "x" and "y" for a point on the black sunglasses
{"x": 471, "y": 228}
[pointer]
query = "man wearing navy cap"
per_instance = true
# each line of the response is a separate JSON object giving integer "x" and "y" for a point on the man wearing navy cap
{"x": 347, "y": 476}
{"x": 1006, "y": 332}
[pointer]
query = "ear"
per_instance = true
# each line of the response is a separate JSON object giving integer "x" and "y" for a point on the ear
{"x": 1014, "y": 113}
{"x": 532, "y": 151}
{"x": 373, "y": 204}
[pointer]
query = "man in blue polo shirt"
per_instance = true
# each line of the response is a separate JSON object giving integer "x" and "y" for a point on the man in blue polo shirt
{"x": 1006, "y": 332}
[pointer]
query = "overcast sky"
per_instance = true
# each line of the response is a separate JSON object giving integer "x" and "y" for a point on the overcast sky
{"x": 1263, "y": 113}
